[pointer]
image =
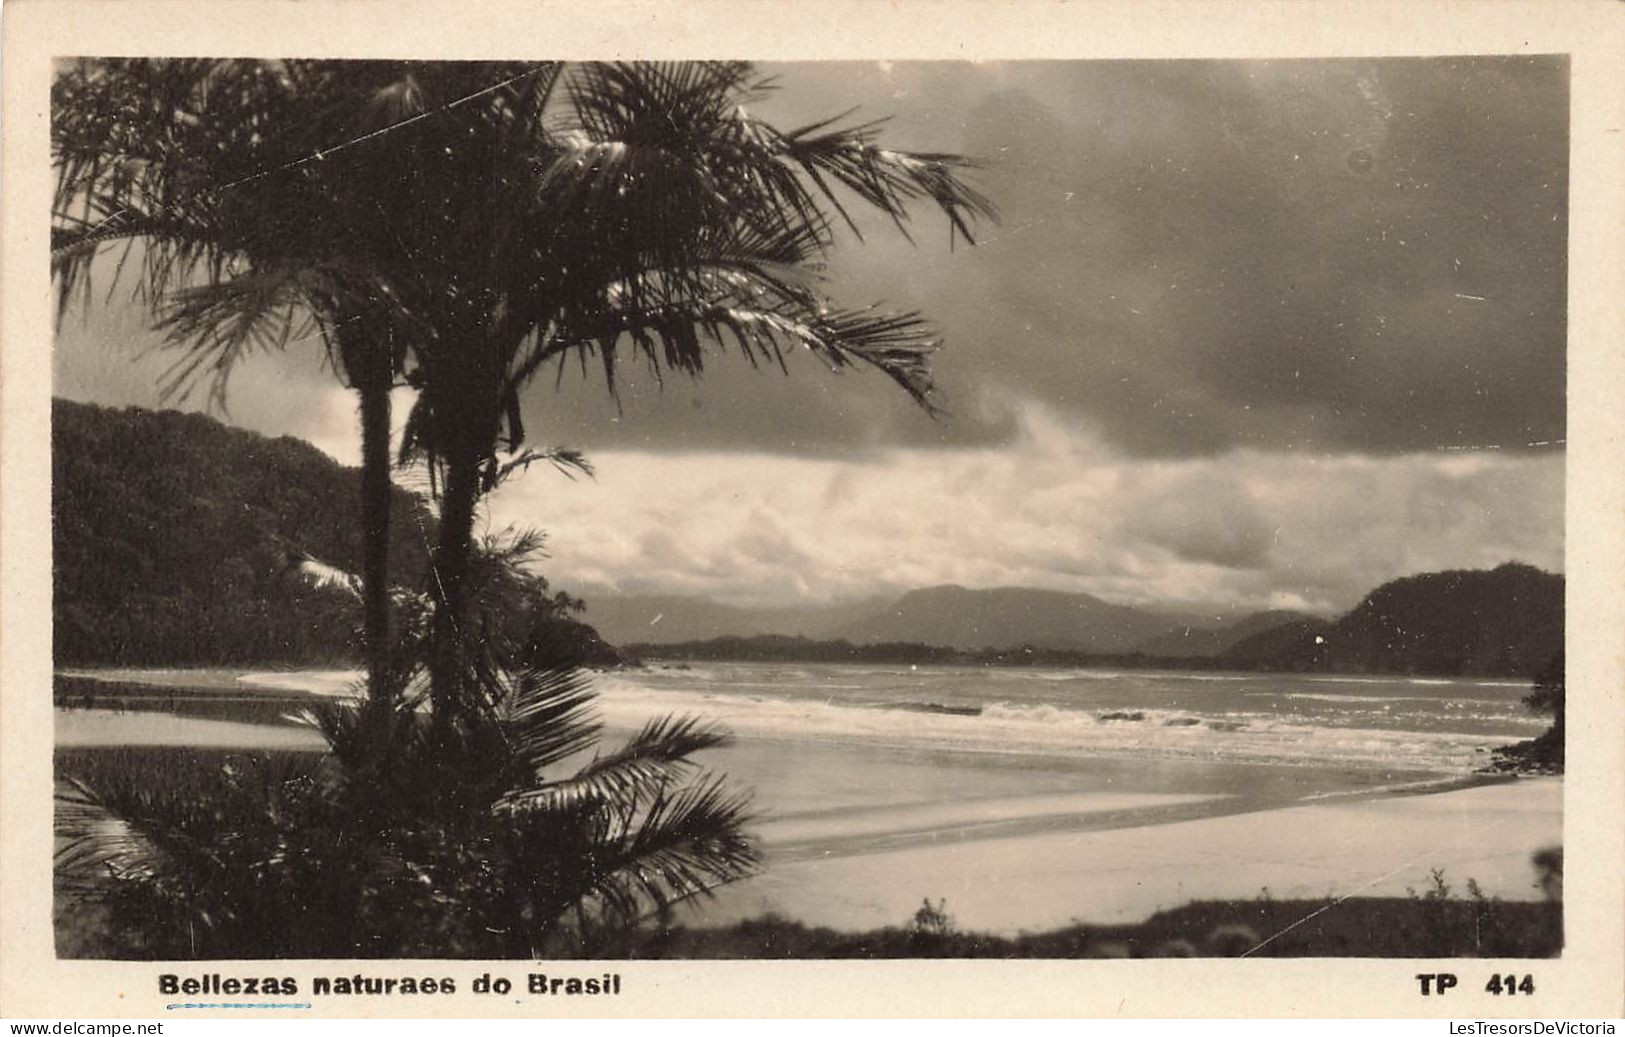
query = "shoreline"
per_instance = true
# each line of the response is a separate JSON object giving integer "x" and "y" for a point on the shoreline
{"x": 1027, "y": 819}
{"x": 1377, "y": 845}
{"x": 1009, "y": 862}
{"x": 856, "y": 834}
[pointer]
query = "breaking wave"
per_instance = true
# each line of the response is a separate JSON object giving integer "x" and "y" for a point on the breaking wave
{"x": 1055, "y": 730}
{"x": 1219, "y": 718}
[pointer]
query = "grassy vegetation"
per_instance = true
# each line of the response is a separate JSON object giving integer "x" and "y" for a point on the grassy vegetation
{"x": 1418, "y": 927}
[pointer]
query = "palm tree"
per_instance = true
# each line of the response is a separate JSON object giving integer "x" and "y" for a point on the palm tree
{"x": 471, "y": 224}
{"x": 630, "y": 208}
{"x": 253, "y": 222}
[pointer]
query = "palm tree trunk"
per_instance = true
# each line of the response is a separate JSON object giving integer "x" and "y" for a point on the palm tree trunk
{"x": 448, "y": 667}
{"x": 375, "y": 519}
{"x": 369, "y": 367}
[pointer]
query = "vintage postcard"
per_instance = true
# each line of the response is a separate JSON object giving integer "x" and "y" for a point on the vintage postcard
{"x": 814, "y": 509}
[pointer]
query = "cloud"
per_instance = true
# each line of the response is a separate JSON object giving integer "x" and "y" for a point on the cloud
{"x": 1196, "y": 257}
{"x": 1250, "y": 333}
{"x": 1059, "y": 508}
{"x": 1202, "y": 516}
{"x": 1055, "y": 503}
{"x": 1192, "y": 261}
{"x": 108, "y": 354}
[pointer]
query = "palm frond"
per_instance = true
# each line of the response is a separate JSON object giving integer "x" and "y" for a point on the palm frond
{"x": 683, "y": 844}
{"x": 656, "y": 756}
{"x": 674, "y": 219}
{"x": 318, "y": 575}
{"x": 219, "y": 179}
{"x": 764, "y": 271}
{"x": 566, "y": 461}
{"x": 548, "y": 716}
{"x": 661, "y": 153}
{"x": 377, "y": 746}
{"x": 96, "y": 842}
{"x": 897, "y": 344}
{"x": 321, "y": 576}
{"x": 888, "y": 180}
{"x": 532, "y": 98}
{"x": 139, "y": 831}
{"x": 689, "y": 120}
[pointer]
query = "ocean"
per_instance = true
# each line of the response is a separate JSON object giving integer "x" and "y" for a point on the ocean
{"x": 1429, "y": 724}
{"x": 1405, "y": 723}
{"x": 874, "y": 785}
{"x": 866, "y": 742}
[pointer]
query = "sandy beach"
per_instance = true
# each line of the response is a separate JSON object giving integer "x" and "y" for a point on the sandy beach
{"x": 1378, "y": 846}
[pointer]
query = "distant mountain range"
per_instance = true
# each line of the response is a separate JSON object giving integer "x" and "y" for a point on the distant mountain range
{"x": 1004, "y": 617}
{"x": 1197, "y": 641}
{"x": 1506, "y": 621}
{"x": 1503, "y": 622}
{"x": 1012, "y": 617}
{"x": 673, "y": 618}
{"x": 947, "y": 616}
{"x": 170, "y": 533}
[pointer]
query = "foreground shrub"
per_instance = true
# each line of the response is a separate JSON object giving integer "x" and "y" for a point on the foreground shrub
{"x": 1545, "y": 754}
{"x": 409, "y": 840}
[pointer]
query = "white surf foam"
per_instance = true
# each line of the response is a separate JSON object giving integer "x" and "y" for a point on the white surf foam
{"x": 1050, "y": 729}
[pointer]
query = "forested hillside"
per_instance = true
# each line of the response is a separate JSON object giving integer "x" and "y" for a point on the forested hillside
{"x": 171, "y": 535}
{"x": 1506, "y": 621}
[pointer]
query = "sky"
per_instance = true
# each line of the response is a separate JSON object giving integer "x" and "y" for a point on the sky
{"x": 1247, "y": 334}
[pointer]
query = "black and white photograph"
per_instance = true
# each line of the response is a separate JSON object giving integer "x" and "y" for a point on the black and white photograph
{"x": 554, "y": 511}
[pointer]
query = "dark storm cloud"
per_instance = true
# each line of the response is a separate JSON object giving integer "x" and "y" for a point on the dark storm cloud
{"x": 1356, "y": 255}
{"x": 1349, "y": 255}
